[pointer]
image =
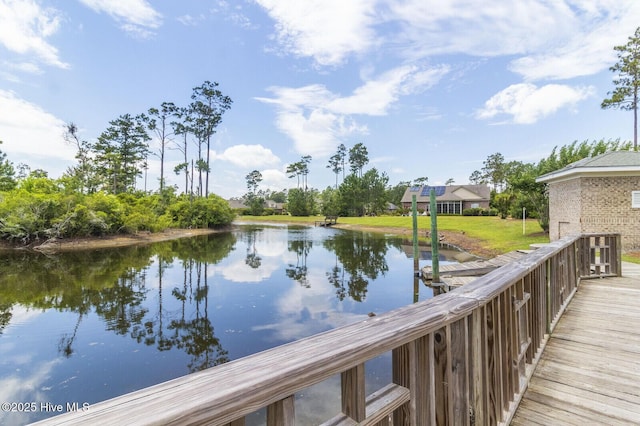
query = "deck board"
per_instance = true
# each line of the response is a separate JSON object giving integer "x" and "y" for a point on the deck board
{"x": 474, "y": 268}
{"x": 589, "y": 372}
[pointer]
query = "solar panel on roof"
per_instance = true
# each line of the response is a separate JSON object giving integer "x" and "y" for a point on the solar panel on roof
{"x": 439, "y": 190}
{"x": 415, "y": 188}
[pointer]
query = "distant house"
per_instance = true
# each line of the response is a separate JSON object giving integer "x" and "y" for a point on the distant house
{"x": 238, "y": 203}
{"x": 450, "y": 199}
{"x": 278, "y": 208}
{"x": 597, "y": 194}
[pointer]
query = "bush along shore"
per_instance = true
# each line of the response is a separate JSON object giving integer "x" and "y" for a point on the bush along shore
{"x": 40, "y": 210}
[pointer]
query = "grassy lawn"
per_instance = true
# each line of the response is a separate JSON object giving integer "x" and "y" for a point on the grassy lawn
{"x": 632, "y": 257}
{"x": 494, "y": 233}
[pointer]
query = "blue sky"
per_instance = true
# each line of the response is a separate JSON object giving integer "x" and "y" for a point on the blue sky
{"x": 431, "y": 87}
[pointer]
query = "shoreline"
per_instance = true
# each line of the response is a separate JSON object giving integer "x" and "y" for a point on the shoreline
{"x": 109, "y": 241}
{"x": 457, "y": 239}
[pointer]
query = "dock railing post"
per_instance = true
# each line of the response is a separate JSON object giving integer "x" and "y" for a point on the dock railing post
{"x": 435, "y": 265}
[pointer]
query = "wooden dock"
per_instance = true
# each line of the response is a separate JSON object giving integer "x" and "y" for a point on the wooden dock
{"x": 474, "y": 268}
{"x": 327, "y": 222}
{"x": 462, "y": 358}
{"x": 589, "y": 372}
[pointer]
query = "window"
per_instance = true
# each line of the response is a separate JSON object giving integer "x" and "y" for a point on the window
{"x": 449, "y": 207}
{"x": 635, "y": 199}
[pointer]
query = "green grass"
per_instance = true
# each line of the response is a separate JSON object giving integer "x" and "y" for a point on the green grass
{"x": 631, "y": 259}
{"x": 502, "y": 235}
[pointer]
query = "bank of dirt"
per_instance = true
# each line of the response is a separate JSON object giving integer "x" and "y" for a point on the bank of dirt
{"x": 455, "y": 238}
{"x": 109, "y": 241}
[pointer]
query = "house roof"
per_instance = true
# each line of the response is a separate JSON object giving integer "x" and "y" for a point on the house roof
{"x": 236, "y": 204}
{"x": 615, "y": 163}
{"x": 448, "y": 193}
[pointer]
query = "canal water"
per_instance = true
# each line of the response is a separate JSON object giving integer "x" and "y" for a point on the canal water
{"x": 81, "y": 327}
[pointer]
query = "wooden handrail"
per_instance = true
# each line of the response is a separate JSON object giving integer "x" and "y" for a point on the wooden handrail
{"x": 459, "y": 358}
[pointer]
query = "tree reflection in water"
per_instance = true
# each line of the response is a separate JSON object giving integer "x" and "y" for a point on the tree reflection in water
{"x": 300, "y": 243}
{"x": 252, "y": 259}
{"x": 113, "y": 284}
{"x": 362, "y": 257}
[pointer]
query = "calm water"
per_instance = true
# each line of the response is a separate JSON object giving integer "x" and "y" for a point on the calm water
{"x": 84, "y": 327}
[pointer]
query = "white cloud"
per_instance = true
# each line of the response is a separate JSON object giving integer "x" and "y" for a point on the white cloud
{"x": 189, "y": 20}
{"x": 25, "y": 27}
{"x": 28, "y": 131}
{"x": 274, "y": 179}
{"x": 478, "y": 28}
{"x": 377, "y": 95}
{"x": 556, "y": 40}
{"x": 527, "y": 103}
{"x": 315, "y": 118}
{"x": 551, "y": 39}
{"x": 134, "y": 16}
{"x": 233, "y": 14}
{"x": 326, "y": 30}
{"x": 249, "y": 156}
{"x": 588, "y": 49}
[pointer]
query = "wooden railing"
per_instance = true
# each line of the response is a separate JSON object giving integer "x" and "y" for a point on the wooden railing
{"x": 457, "y": 359}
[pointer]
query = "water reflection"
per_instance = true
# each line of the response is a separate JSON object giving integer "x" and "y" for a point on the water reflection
{"x": 86, "y": 326}
{"x": 360, "y": 256}
{"x": 299, "y": 242}
{"x": 112, "y": 284}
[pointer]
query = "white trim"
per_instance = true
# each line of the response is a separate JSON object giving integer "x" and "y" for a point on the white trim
{"x": 635, "y": 199}
{"x": 589, "y": 171}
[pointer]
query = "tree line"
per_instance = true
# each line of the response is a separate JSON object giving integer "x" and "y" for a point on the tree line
{"x": 360, "y": 192}
{"x": 515, "y": 191}
{"x": 98, "y": 194}
{"x": 121, "y": 153}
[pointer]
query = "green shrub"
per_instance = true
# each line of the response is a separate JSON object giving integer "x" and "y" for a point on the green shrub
{"x": 210, "y": 212}
{"x": 111, "y": 209}
{"x": 479, "y": 211}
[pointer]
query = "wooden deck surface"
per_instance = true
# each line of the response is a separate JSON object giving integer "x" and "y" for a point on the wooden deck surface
{"x": 474, "y": 268}
{"x": 589, "y": 372}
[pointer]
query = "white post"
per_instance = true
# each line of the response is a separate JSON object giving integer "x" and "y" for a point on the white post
{"x": 524, "y": 220}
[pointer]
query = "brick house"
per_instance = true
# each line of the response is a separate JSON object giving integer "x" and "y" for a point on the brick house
{"x": 597, "y": 194}
{"x": 450, "y": 199}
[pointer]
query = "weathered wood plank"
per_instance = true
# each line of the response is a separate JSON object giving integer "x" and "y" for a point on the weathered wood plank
{"x": 440, "y": 375}
{"x": 531, "y": 412}
{"x": 625, "y": 387}
{"x": 458, "y": 372}
{"x": 589, "y": 372}
{"x": 353, "y": 393}
{"x": 474, "y": 268}
{"x": 478, "y": 367}
{"x": 282, "y": 413}
{"x": 584, "y": 402}
{"x": 380, "y": 405}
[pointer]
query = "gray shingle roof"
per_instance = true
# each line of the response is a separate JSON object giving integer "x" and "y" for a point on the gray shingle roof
{"x": 449, "y": 193}
{"x": 609, "y": 162}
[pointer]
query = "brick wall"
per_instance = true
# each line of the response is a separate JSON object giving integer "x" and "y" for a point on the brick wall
{"x": 564, "y": 208}
{"x": 606, "y": 207}
{"x": 595, "y": 204}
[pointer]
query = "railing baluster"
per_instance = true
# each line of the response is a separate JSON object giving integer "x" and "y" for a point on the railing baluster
{"x": 282, "y": 413}
{"x": 478, "y": 365}
{"x": 402, "y": 359}
{"x": 459, "y": 372}
{"x": 353, "y": 393}
{"x": 440, "y": 368}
